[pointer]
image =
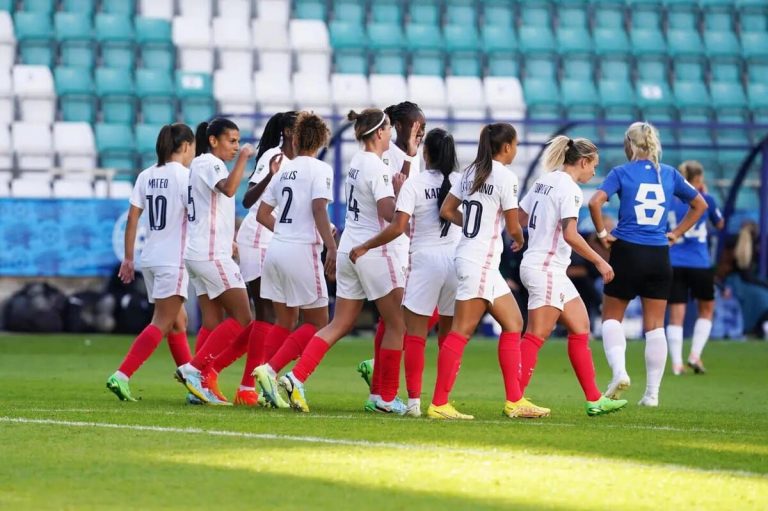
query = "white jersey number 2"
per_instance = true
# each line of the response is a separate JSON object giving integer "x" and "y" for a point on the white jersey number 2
{"x": 651, "y": 199}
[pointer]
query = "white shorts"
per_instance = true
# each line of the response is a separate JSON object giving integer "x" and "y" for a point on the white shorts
{"x": 251, "y": 261}
{"x": 401, "y": 251}
{"x": 214, "y": 277}
{"x": 372, "y": 277}
{"x": 293, "y": 275}
{"x": 165, "y": 281}
{"x": 478, "y": 282}
{"x": 431, "y": 283}
{"x": 547, "y": 288}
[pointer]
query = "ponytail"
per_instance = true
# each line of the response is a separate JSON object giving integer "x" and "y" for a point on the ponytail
{"x": 691, "y": 169}
{"x": 273, "y": 131}
{"x": 562, "y": 150}
{"x": 492, "y": 138}
{"x": 367, "y": 122}
{"x": 441, "y": 154}
{"x": 170, "y": 139}
{"x": 644, "y": 142}
{"x": 201, "y": 139}
{"x": 213, "y": 129}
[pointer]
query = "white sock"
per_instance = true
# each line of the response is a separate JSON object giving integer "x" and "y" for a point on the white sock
{"x": 675, "y": 341}
{"x": 701, "y": 331}
{"x": 374, "y": 397}
{"x": 414, "y": 403}
{"x": 243, "y": 387}
{"x": 121, "y": 376}
{"x": 655, "y": 360}
{"x": 615, "y": 346}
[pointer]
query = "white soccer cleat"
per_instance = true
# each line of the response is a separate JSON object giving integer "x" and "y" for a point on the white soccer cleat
{"x": 678, "y": 369}
{"x": 413, "y": 410}
{"x": 649, "y": 400}
{"x": 618, "y": 386}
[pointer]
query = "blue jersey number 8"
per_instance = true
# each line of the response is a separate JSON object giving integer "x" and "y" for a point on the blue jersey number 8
{"x": 650, "y": 208}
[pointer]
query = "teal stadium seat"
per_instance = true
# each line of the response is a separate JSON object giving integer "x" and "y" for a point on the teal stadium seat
{"x": 153, "y": 36}
{"x": 74, "y": 33}
{"x": 650, "y": 51}
{"x": 463, "y": 46}
{"x": 387, "y": 11}
{"x": 34, "y": 34}
{"x": 461, "y": 12}
{"x": 41, "y": 6}
{"x": 155, "y": 90}
{"x": 753, "y": 15}
{"x": 499, "y": 13}
{"x": 682, "y": 14}
{"x": 500, "y": 46}
{"x": 386, "y": 42}
{"x": 117, "y": 146}
{"x": 730, "y": 105}
{"x": 686, "y": 51}
{"x": 353, "y": 11}
{"x": 424, "y": 12}
{"x": 573, "y": 16}
{"x": 115, "y": 35}
{"x": 7, "y": 5}
{"x": 542, "y": 98}
{"x": 350, "y": 47}
{"x": 649, "y": 19}
{"x": 146, "y": 138}
{"x": 580, "y": 99}
{"x": 757, "y": 94}
{"x": 123, "y": 7}
{"x": 425, "y": 43}
{"x": 718, "y": 14}
{"x": 538, "y": 14}
{"x": 195, "y": 93}
{"x": 81, "y": 6}
{"x": 77, "y": 94}
{"x": 617, "y": 99}
{"x": 310, "y": 10}
{"x": 657, "y": 104}
{"x": 754, "y": 46}
{"x": 538, "y": 47}
{"x": 694, "y": 104}
{"x": 613, "y": 50}
{"x": 608, "y": 15}
{"x": 116, "y": 92}
{"x": 722, "y": 45}
{"x": 576, "y": 52}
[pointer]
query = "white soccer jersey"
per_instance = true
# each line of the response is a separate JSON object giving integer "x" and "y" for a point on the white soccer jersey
{"x": 292, "y": 190}
{"x": 211, "y": 213}
{"x": 552, "y": 198}
{"x": 418, "y": 198}
{"x": 484, "y": 214}
{"x": 368, "y": 181}
{"x": 395, "y": 157}
{"x": 251, "y": 232}
{"x": 162, "y": 193}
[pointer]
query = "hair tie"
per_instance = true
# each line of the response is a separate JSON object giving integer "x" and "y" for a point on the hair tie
{"x": 570, "y": 143}
{"x": 383, "y": 117}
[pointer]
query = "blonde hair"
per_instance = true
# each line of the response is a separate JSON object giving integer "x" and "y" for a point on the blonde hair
{"x": 562, "y": 150}
{"x": 644, "y": 142}
{"x": 691, "y": 169}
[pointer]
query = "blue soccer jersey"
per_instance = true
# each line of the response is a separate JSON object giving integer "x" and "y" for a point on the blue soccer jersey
{"x": 645, "y": 196}
{"x": 692, "y": 250}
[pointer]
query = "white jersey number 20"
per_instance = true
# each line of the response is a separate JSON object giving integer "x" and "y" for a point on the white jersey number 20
{"x": 651, "y": 199}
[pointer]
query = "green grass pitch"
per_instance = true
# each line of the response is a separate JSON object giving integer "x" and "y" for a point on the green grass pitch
{"x": 67, "y": 443}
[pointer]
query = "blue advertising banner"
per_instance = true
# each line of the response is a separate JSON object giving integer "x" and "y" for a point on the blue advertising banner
{"x": 61, "y": 237}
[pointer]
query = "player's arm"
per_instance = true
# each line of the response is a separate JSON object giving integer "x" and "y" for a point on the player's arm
{"x": 228, "y": 186}
{"x": 264, "y": 216}
{"x": 580, "y": 245}
{"x": 323, "y": 226}
{"x": 386, "y": 208}
{"x": 596, "y": 212}
{"x": 522, "y": 215}
{"x": 127, "y": 271}
{"x": 450, "y": 210}
{"x": 514, "y": 229}
{"x": 696, "y": 208}
{"x": 396, "y": 228}
{"x": 255, "y": 191}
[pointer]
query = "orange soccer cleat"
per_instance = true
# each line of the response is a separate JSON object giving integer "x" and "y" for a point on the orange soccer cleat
{"x": 248, "y": 398}
{"x": 211, "y": 382}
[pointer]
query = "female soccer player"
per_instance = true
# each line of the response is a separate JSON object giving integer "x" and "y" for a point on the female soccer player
{"x": 487, "y": 191}
{"x": 293, "y": 271}
{"x": 431, "y": 281}
{"x": 692, "y": 272}
{"x": 376, "y": 276}
{"x": 161, "y": 189}
{"x": 640, "y": 252}
{"x": 551, "y": 210}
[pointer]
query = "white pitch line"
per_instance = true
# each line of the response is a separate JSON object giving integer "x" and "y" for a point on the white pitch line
{"x": 355, "y": 443}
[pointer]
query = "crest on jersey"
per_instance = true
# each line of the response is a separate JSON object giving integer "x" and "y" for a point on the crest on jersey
{"x": 386, "y": 179}
{"x": 577, "y": 200}
{"x": 514, "y": 189}
{"x": 385, "y": 160}
{"x": 562, "y": 298}
{"x": 328, "y": 182}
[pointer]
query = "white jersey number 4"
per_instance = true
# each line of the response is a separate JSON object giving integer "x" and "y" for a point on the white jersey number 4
{"x": 650, "y": 209}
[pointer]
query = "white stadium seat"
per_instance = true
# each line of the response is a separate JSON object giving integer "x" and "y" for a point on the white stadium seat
{"x": 33, "y": 146}
{"x": 504, "y": 96}
{"x": 192, "y": 37}
{"x": 429, "y": 93}
{"x": 275, "y": 11}
{"x": 25, "y": 187}
{"x": 311, "y": 93}
{"x": 387, "y": 89}
{"x": 466, "y": 98}
{"x": 196, "y": 8}
{"x": 75, "y": 145}
{"x": 271, "y": 41}
{"x": 232, "y": 36}
{"x": 114, "y": 189}
{"x": 5, "y": 180}
{"x": 72, "y": 189}
{"x": 6, "y": 148}
{"x": 310, "y": 42}
{"x": 34, "y": 89}
{"x": 158, "y": 8}
{"x": 272, "y": 92}
{"x": 235, "y": 9}
{"x": 7, "y": 41}
{"x": 350, "y": 92}
{"x": 6, "y": 98}
{"x": 233, "y": 91}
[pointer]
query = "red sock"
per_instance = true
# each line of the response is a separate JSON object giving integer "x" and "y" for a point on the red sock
{"x": 256, "y": 346}
{"x": 217, "y": 341}
{"x": 433, "y": 320}
{"x": 179, "y": 347}
{"x": 414, "y": 364}
{"x": 202, "y": 335}
{"x": 292, "y": 347}
{"x": 581, "y": 360}
{"x": 234, "y": 351}
{"x": 509, "y": 360}
{"x": 274, "y": 340}
{"x": 377, "y": 339}
{"x": 141, "y": 349}
{"x": 448, "y": 363}
{"x": 390, "y": 373}
{"x": 440, "y": 341}
{"x": 310, "y": 358}
{"x": 529, "y": 354}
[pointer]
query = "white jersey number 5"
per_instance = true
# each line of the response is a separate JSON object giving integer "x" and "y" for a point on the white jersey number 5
{"x": 650, "y": 209}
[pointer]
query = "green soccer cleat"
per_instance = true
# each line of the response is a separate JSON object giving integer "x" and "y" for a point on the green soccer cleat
{"x": 604, "y": 405}
{"x": 369, "y": 406}
{"x": 295, "y": 390}
{"x": 120, "y": 388}
{"x": 365, "y": 368}
{"x": 268, "y": 383}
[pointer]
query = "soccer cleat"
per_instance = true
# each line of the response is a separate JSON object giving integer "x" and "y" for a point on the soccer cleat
{"x": 211, "y": 382}
{"x": 617, "y": 387}
{"x": 678, "y": 369}
{"x": 192, "y": 400}
{"x": 213, "y": 400}
{"x": 413, "y": 409}
{"x": 604, "y": 405}
{"x": 365, "y": 368}
{"x": 447, "y": 411}
{"x": 396, "y": 406}
{"x": 295, "y": 390}
{"x": 193, "y": 380}
{"x": 649, "y": 400}
{"x": 524, "y": 409}
{"x": 248, "y": 398}
{"x": 370, "y": 405}
{"x": 697, "y": 365}
{"x": 268, "y": 384}
{"x": 120, "y": 388}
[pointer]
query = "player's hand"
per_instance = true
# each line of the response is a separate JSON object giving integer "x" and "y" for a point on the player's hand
{"x": 334, "y": 230}
{"x": 412, "y": 146}
{"x": 275, "y": 162}
{"x": 330, "y": 263}
{"x": 515, "y": 246}
{"x": 247, "y": 151}
{"x": 608, "y": 241}
{"x": 356, "y": 253}
{"x": 397, "y": 182}
{"x": 127, "y": 272}
{"x": 672, "y": 238}
{"x": 606, "y": 271}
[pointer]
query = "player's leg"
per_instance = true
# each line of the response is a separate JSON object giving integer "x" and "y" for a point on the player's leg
{"x": 391, "y": 352}
{"x": 655, "y": 348}
{"x": 414, "y": 345}
{"x": 541, "y": 321}
{"x": 177, "y": 339}
{"x": 675, "y": 336}
{"x": 285, "y": 319}
{"x": 615, "y": 344}
{"x": 212, "y": 315}
{"x": 704, "y": 293}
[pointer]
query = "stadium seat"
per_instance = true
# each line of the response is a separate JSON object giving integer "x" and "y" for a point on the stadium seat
{"x": 310, "y": 41}
{"x": 731, "y": 106}
{"x": 692, "y": 99}
{"x": 657, "y": 104}
{"x": 39, "y": 6}
{"x": 537, "y": 46}
{"x": 465, "y": 96}
{"x": 33, "y": 146}
{"x": 500, "y": 45}
{"x": 463, "y": 46}
{"x": 7, "y": 41}
{"x": 35, "y": 93}
{"x": 498, "y": 13}
{"x": 231, "y": 9}
{"x": 6, "y": 98}
{"x": 754, "y": 47}
{"x": 753, "y": 16}
{"x": 77, "y": 94}
{"x": 232, "y": 37}
{"x": 195, "y": 92}
{"x": 312, "y": 94}
{"x": 272, "y": 93}
{"x": 28, "y": 188}
{"x": 117, "y": 146}
{"x": 682, "y": 20}
{"x": 723, "y": 71}
{"x": 609, "y": 15}
{"x": 351, "y": 11}
{"x": 758, "y": 99}
{"x": 386, "y": 42}
{"x": 87, "y": 7}
{"x": 6, "y": 153}
{"x": 718, "y": 14}
{"x": 350, "y": 43}
{"x": 684, "y": 44}
{"x": 387, "y": 89}
{"x": 425, "y": 43}
{"x": 116, "y": 91}
{"x": 121, "y": 7}
{"x": 310, "y": 10}
{"x": 193, "y": 40}
{"x": 504, "y": 96}
{"x": 274, "y": 11}
{"x": 34, "y": 33}
{"x": 573, "y": 16}
{"x": 74, "y": 34}
{"x": 430, "y": 94}
{"x": 542, "y": 98}
{"x": 646, "y": 18}
{"x": 75, "y": 145}
{"x": 7, "y": 5}
{"x": 146, "y": 139}
{"x": 611, "y": 43}
{"x": 580, "y": 99}
{"x": 461, "y": 12}
{"x": 617, "y": 99}
{"x": 425, "y": 12}
{"x": 350, "y": 92}
{"x": 537, "y": 14}
{"x": 154, "y": 39}
{"x": 195, "y": 8}
{"x": 155, "y": 90}
{"x": 72, "y": 188}
{"x": 162, "y": 8}
{"x": 387, "y": 11}
{"x": 721, "y": 44}
{"x": 271, "y": 41}
{"x": 115, "y": 35}
{"x": 233, "y": 89}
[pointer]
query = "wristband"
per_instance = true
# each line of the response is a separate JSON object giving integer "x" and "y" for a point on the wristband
{"x": 602, "y": 234}
{"x": 408, "y": 158}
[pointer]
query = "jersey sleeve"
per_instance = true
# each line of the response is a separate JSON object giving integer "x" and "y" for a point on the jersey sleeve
{"x": 269, "y": 196}
{"x": 213, "y": 173}
{"x": 683, "y": 189}
{"x": 715, "y": 215}
{"x": 570, "y": 203}
{"x": 509, "y": 192}
{"x": 456, "y": 189}
{"x": 381, "y": 182}
{"x": 525, "y": 202}
{"x": 322, "y": 183}
{"x": 261, "y": 170}
{"x": 406, "y": 201}
{"x": 137, "y": 195}
{"x": 611, "y": 184}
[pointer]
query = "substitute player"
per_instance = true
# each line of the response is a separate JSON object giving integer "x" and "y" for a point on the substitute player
{"x": 551, "y": 210}
{"x": 431, "y": 280}
{"x": 692, "y": 275}
{"x": 640, "y": 252}
{"x": 162, "y": 191}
